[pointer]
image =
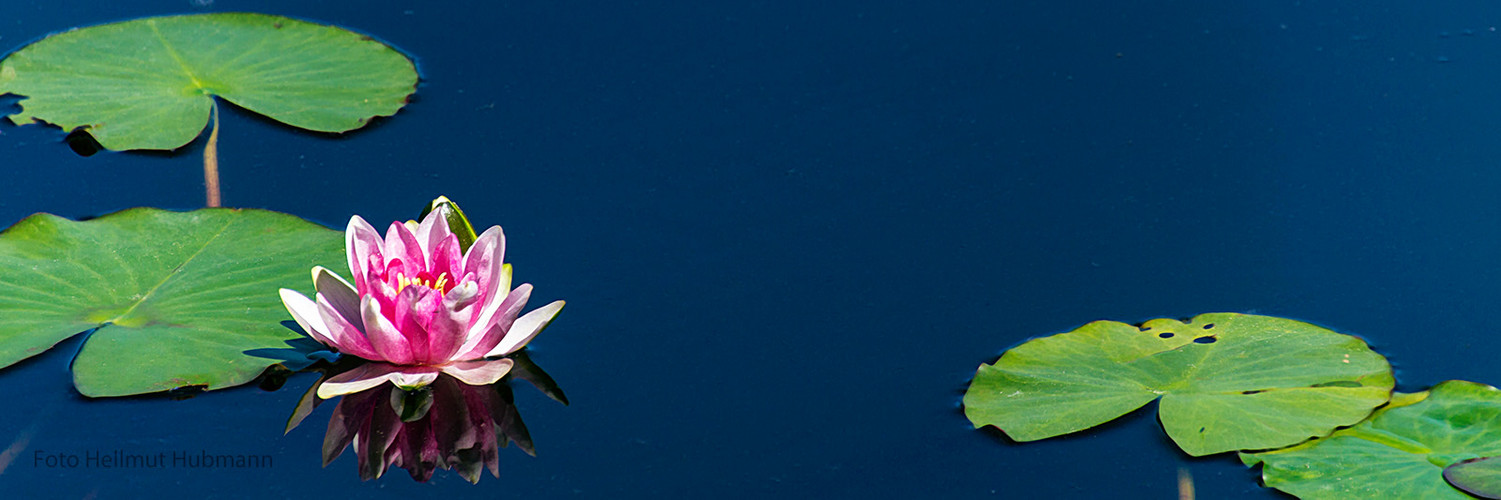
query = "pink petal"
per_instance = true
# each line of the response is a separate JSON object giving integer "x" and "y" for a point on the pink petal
{"x": 362, "y": 244}
{"x": 433, "y": 229}
{"x": 447, "y": 259}
{"x": 450, "y": 326}
{"x": 526, "y": 328}
{"x": 402, "y": 244}
{"x": 415, "y": 307}
{"x": 479, "y": 372}
{"x": 340, "y": 294}
{"x": 487, "y": 333}
{"x": 490, "y": 313}
{"x": 305, "y": 312}
{"x": 485, "y": 261}
{"x": 346, "y": 337}
{"x": 383, "y": 292}
{"x": 358, "y": 379}
{"x": 386, "y": 340}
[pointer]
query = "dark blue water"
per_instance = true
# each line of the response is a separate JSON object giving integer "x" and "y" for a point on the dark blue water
{"x": 788, "y": 233}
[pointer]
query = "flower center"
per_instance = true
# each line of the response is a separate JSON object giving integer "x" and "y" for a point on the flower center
{"x": 440, "y": 284}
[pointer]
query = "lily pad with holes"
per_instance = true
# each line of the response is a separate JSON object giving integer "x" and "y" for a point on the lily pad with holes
{"x": 1400, "y": 452}
{"x": 177, "y": 298}
{"x": 149, "y": 83}
{"x": 1226, "y": 381}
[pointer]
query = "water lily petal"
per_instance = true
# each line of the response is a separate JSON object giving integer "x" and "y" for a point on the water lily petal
{"x": 371, "y": 375}
{"x": 415, "y": 307}
{"x": 340, "y": 294}
{"x": 451, "y": 323}
{"x": 382, "y": 290}
{"x": 487, "y": 253}
{"x": 526, "y": 328}
{"x": 413, "y": 377}
{"x": 447, "y": 259}
{"x": 362, "y": 244}
{"x": 487, "y": 333}
{"x": 479, "y": 372}
{"x": 485, "y": 262}
{"x": 358, "y": 379}
{"x": 385, "y": 338}
{"x": 433, "y": 229}
{"x": 305, "y": 312}
{"x": 346, "y": 337}
{"x": 462, "y": 297}
{"x": 490, "y": 313}
{"x": 402, "y": 244}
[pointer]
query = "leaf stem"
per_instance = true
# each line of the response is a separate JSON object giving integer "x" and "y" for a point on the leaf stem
{"x": 211, "y": 161}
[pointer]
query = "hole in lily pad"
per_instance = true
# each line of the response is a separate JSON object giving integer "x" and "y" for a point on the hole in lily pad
{"x": 82, "y": 143}
{"x": 1165, "y": 335}
{"x": 1207, "y": 339}
{"x": 1208, "y": 326}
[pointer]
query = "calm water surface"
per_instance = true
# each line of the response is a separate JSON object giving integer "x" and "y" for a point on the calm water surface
{"x": 789, "y": 233}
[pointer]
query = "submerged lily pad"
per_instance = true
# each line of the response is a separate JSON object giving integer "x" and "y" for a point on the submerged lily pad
{"x": 1227, "y": 381}
{"x": 149, "y": 83}
{"x": 1480, "y": 477}
{"x": 1400, "y": 452}
{"x": 177, "y": 298}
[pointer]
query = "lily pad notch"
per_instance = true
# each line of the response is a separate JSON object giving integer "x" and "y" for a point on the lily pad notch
{"x": 150, "y": 83}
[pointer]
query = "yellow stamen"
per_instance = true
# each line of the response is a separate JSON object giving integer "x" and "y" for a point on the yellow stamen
{"x": 402, "y": 281}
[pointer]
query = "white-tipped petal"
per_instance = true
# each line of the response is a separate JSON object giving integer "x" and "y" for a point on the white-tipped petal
{"x": 479, "y": 372}
{"x": 494, "y": 301}
{"x": 346, "y": 338}
{"x": 305, "y": 312}
{"x": 409, "y": 380}
{"x": 449, "y": 326}
{"x": 486, "y": 332}
{"x": 360, "y": 378}
{"x": 385, "y": 338}
{"x": 432, "y": 229}
{"x": 485, "y": 258}
{"x": 341, "y": 295}
{"x": 525, "y": 328}
{"x": 360, "y": 242}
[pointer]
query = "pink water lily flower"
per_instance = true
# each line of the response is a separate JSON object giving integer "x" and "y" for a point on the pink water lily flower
{"x": 419, "y": 306}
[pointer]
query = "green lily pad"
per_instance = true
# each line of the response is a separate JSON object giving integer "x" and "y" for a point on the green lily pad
{"x": 149, "y": 83}
{"x": 1400, "y": 452}
{"x": 177, "y": 298}
{"x": 1227, "y": 381}
{"x": 1480, "y": 477}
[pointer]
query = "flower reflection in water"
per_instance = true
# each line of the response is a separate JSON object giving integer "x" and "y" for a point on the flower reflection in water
{"x": 445, "y": 425}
